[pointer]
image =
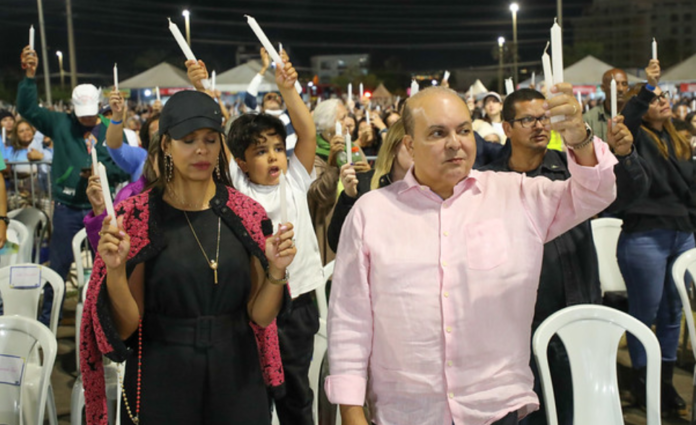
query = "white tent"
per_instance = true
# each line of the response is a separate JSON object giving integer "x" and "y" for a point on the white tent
{"x": 237, "y": 79}
{"x": 586, "y": 71}
{"x": 477, "y": 89}
{"x": 163, "y": 75}
{"x": 684, "y": 72}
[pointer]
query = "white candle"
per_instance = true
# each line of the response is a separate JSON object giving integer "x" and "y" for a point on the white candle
{"x": 181, "y": 41}
{"x": 115, "y": 77}
{"x": 654, "y": 49}
{"x": 157, "y": 93}
{"x": 31, "y": 37}
{"x": 107, "y": 194}
{"x": 548, "y": 74}
{"x": 579, "y": 96}
{"x": 414, "y": 87}
{"x": 350, "y": 92}
{"x": 361, "y": 91}
{"x": 533, "y": 78}
{"x": 693, "y": 105}
{"x": 280, "y": 47}
{"x": 268, "y": 46}
{"x": 614, "y": 107}
{"x": 212, "y": 82}
{"x": 509, "y": 86}
{"x": 339, "y": 129}
{"x": 446, "y": 76}
{"x": 95, "y": 161}
{"x": 557, "y": 52}
{"x": 367, "y": 114}
{"x": 349, "y": 150}
{"x": 283, "y": 199}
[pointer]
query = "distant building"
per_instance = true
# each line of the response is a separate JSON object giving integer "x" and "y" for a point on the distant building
{"x": 330, "y": 66}
{"x": 625, "y": 28}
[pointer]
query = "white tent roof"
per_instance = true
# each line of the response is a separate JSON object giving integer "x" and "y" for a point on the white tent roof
{"x": 162, "y": 75}
{"x": 587, "y": 71}
{"x": 237, "y": 79}
{"x": 682, "y": 72}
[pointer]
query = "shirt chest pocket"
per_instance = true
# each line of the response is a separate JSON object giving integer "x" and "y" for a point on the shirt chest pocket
{"x": 487, "y": 244}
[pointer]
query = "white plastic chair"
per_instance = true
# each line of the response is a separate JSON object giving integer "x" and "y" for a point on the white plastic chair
{"x": 687, "y": 263}
{"x": 605, "y": 232}
{"x": 19, "y": 234}
{"x": 83, "y": 257}
{"x": 591, "y": 334}
{"x": 21, "y": 298}
{"x": 36, "y": 222}
{"x": 25, "y": 404}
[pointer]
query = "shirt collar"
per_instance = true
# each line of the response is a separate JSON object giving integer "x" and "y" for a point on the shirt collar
{"x": 470, "y": 182}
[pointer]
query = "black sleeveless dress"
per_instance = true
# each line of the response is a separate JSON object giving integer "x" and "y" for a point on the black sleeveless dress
{"x": 200, "y": 360}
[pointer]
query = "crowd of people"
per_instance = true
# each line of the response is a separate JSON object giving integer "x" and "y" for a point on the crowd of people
{"x": 457, "y": 226}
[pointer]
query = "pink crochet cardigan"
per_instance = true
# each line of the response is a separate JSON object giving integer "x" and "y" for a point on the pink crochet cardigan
{"x": 98, "y": 336}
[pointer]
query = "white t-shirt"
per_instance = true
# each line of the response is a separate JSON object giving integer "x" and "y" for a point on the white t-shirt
{"x": 306, "y": 272}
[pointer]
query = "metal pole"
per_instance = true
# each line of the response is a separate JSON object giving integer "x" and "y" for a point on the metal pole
{"x": 500, "y": 66}
{"x": 71, "y": 45}
{"x": 514, "y": 44}
{"x": 44, "y": 53}
{"x": 559, "y": 12}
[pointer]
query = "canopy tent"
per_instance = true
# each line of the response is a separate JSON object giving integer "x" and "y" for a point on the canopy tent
{"x": 162, "y": 75}
{"x": 586, "y": 71}
{"x": 381, "y": 96}
{"x": 477, "y": 89}
{"x": 684, "y": 72}
{"x": 238, "y": 78}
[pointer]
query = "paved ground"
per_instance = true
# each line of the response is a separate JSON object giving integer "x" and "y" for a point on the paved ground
{"x": 65, "y": 372}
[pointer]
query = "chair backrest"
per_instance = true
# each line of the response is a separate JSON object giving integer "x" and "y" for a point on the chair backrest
{"x": 591, "y": 334}
{"x": 9, "y": 259}
{"x": 36, "y": 222}
{"x": 322, "y": 301}
{"x": 686, "y": 263}
{"x": 605, "y": 232}
{"x": 21, "y": 286}
{"x": 17, "y": 233}
{"x": 18, "y": 339}
{"x": 83, "y": 257}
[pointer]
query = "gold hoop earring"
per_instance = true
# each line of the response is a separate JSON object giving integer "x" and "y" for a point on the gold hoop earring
{"x": 217, "y": 169}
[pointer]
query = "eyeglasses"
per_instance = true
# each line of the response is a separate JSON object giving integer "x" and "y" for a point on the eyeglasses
{"x": 271, "y": 96}
{"x": 529, "y": 122}
{"x": 660, "y": 98}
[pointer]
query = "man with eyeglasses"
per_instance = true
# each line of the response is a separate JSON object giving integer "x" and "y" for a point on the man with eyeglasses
{"x": 598, "y": 116}
{"x": 569, "y": 271}
{"x": 272, "y": 103}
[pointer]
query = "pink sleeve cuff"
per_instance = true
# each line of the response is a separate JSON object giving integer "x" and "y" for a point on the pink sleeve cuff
{"x": 591, "y": 177}
{"x": 345, "y": 389}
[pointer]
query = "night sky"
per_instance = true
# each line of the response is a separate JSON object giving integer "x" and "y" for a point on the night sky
{"x": 418, "y": 35}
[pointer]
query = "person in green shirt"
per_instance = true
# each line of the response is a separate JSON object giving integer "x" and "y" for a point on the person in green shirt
{"x": 74, "y": 136}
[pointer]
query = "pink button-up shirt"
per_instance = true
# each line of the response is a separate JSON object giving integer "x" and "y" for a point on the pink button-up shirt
{"x": 433, "y": 299}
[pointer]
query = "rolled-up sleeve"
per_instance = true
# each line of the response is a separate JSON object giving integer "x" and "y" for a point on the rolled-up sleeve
{"x": 350, "y": 318}
{"x": 556, "y": 207}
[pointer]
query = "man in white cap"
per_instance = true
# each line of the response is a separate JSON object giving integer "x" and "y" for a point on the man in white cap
{"x": 74, "y": 136}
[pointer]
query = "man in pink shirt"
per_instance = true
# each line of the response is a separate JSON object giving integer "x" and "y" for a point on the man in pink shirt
{"x": 436, "y": 276}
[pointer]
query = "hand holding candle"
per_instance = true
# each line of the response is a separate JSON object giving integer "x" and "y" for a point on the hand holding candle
{"x": 268, "y": 46}
{"x": 654, "y": 49}
{"x": 185, "y": 48}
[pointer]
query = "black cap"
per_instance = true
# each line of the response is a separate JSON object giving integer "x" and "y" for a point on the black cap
{"x": 5, "y": 113}
{"x": 188, "y": 111}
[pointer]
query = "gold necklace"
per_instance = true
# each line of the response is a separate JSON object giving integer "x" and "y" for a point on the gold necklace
{"x": 213, "y": 264}
{"x": 185, "y": 204}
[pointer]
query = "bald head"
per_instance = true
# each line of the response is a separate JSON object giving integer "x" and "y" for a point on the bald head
{"x": 621, "y": 87}
{"x": 416, "y": 102}
{"x": 616, "y": 73}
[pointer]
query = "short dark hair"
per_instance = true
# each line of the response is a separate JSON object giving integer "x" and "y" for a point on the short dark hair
{"x": 680, "y": 125}
{"x": 247, "y": 129}
{"x": 145, "y": 130}
{"x": 521, "y": 95}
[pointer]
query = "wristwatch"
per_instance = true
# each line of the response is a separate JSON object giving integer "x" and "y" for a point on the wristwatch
{"x": 5, "y": 218}
{"x": 275, "y": 281}
{"x": 588, "y": 139}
